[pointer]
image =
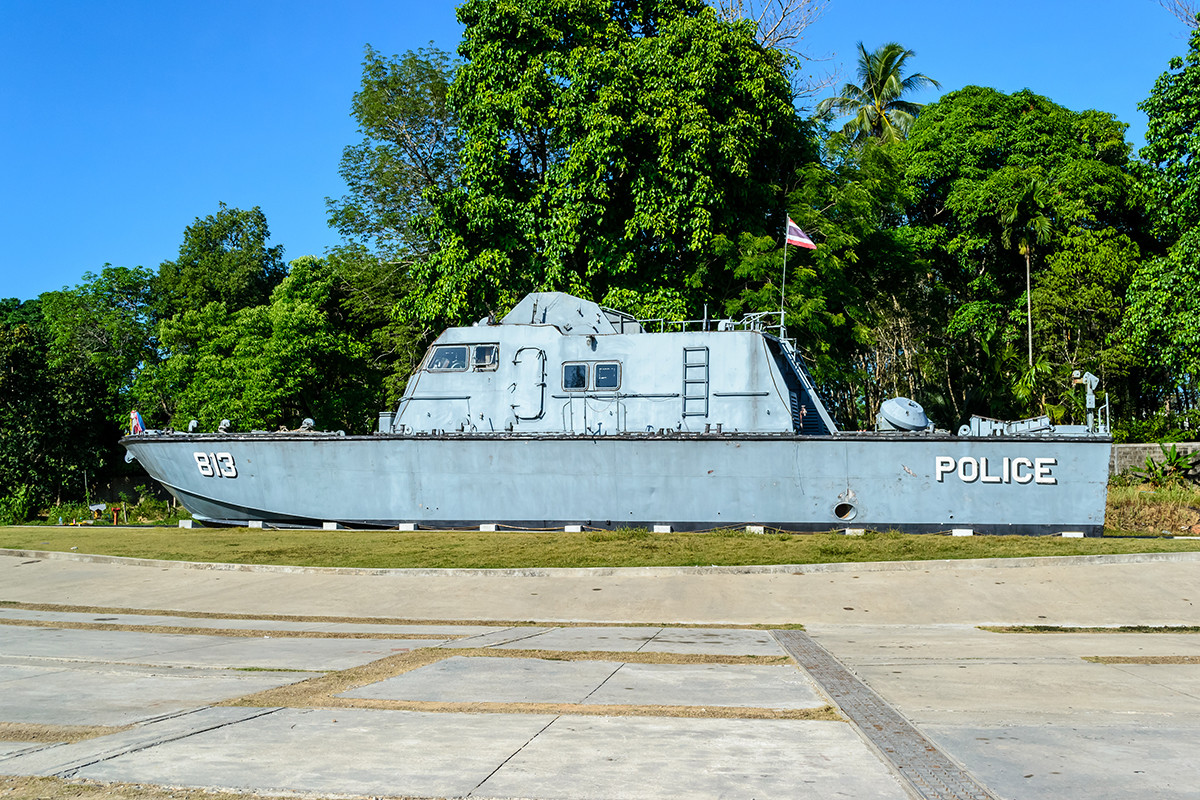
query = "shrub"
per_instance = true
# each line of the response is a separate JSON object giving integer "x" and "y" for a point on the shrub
{"x": 16, "y": 506}
{"x": 1173, "y": 470}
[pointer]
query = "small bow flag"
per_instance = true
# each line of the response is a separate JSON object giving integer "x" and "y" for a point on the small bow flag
{"x": 798, "y": 237}
{"x": 135, "y": 423}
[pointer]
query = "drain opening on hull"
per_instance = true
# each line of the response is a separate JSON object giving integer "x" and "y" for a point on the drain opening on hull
{"x": 845, "y": 511}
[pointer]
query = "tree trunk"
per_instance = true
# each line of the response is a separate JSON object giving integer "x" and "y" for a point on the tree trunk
{"x": 1029, "y": 308}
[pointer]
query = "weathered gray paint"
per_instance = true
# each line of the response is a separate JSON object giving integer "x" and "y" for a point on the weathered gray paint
{"x": 672, "y": 443}
{"x": 691, "y": 482}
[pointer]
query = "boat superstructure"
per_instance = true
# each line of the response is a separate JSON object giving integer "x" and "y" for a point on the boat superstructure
{"x": 565, "y": 413}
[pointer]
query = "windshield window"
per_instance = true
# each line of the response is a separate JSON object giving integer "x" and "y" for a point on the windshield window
{"x": 452, "y": 357}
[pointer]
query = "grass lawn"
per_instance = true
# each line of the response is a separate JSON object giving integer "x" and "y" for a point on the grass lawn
{"x": 471, "y": 549}
{"x": 1132, "y": 511}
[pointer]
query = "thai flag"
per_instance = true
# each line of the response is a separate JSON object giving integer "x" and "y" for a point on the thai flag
{"x": 798, "y": 237}
{"x": 135, "y": 422}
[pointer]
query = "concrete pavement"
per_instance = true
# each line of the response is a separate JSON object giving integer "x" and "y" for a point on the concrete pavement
{"x": 1024, "y": 714}
{"x": 1158, "y": 589}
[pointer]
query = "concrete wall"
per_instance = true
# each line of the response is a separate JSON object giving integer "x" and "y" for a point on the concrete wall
{"x": 1125, "y": 456}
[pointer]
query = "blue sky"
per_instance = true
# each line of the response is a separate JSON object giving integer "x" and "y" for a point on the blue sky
{"x": 124, "y": 121}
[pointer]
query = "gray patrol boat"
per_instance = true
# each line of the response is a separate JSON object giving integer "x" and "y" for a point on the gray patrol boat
{"x": 568, "y": 414}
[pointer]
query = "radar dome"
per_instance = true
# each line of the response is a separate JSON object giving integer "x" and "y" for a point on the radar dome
{"x": 901, "y": 414}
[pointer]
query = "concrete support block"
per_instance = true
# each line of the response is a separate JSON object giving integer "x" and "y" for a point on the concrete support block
{"x": 662, "y": 528}
{"x": 489, "y": 526}
{"x": 962, "y": 532}
{"x": 185, "y": 523}
{"x": 406, "y": 526}
{"x": 330, "y": 526}
{"x": 1072, "y": 534}
{"x": 254, "y": 523}
{"x": 855, "y": 531}
{"x": 573, "y": 528}
{"x": 755, "y": 529}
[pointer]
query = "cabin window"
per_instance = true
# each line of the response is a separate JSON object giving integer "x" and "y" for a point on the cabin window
{"x": 485, "y": 356}
{"x": 607, "y": 375}
{"x": 575, "y": 376}
{"x": 447, "y": 358}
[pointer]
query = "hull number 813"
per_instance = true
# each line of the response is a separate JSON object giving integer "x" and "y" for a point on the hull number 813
{"x": 215, "y": 465}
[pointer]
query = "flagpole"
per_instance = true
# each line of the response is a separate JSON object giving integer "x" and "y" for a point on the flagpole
{"x": 783, "y": 281}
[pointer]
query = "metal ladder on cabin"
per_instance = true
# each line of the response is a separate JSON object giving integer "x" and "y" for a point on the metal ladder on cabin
{"x": 808, "y": 418}
{"x": 695, "y": 381}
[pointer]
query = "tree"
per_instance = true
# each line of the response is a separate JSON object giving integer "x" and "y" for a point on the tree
{"x": 876, "y": 103}
{"x": 1162, "y": 325}
{"x": 105, "y": 321}
{"x": 371, "y": 287}
{"x": 845, "y": 299}
{"x": 224, "y": 258}
{"x": 612, "y": 148}
{"x": 1079, "y": 301}
{"x": 969, "y": 160}
{"x": 14, "y": 312}
{"x": 1182, "y": 10}
{"x": 410, "y": 147}
{"x": 780, "y": 24}
{"x": 54, "y": 425}
{"x": 268, "y": 365}
{"x": 1027, "y": 222}
{"x": 1173, "y": 143}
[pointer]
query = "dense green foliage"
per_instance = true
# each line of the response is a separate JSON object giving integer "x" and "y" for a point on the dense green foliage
{"x": 408, "y": 155}
{"x": 1173, "y": 142}
{"x": 618, "y": 150}
{"x": 224, "y": 258}
{"x": 54, "y": 423}
{"x": 1163, "y": 322}
{"x": 972, "y": 253}
{"x": 999, "y": 184}
{"x": 296, "y": 356}
{"x": 105, "y": 322}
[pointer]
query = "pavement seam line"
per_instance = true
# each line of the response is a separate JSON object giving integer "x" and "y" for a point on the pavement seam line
{"x": 648, "y": 641}
{"x": 511, "y": 756}
{"x": 927, "y": 769}
{"x": 600, "y": 685}
{"x": 34, "y": 747}
{"x": 466, "y": 639}
{"x": 72, "y": 770}
{"x": 533, "y": 635}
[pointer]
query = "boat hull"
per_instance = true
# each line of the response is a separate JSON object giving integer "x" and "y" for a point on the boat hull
{"x": 920, "y": 484}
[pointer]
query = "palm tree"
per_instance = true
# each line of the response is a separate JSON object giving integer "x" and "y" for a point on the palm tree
{"x": 878, "y": 112}
{"x": 1027, "y": 223}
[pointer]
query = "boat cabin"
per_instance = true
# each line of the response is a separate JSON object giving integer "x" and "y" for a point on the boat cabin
{"x": 558, "y": 364}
